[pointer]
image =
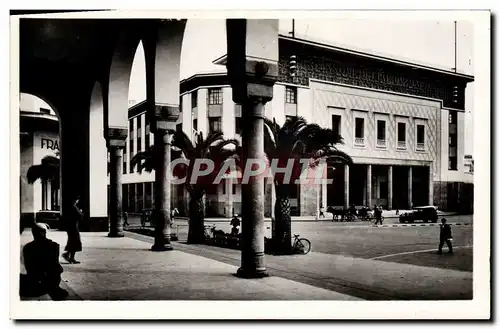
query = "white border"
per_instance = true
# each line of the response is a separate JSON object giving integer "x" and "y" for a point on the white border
{"x": 477, "y": 308}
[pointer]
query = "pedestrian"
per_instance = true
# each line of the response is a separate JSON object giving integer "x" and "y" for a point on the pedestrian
{"x": 173, "y": 213}
{"x": 378, "y": 215}
{"x": 74, "y": 243}
{"x": 41, "y": 261}
{"x": 235, "y": 223}
{"x": 397, "y": 211}
{"x": 125, "y": 219}
{"x": 445, "y": 236}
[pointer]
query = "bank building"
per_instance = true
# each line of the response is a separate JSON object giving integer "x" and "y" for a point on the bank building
{"x": 402, "y": 124}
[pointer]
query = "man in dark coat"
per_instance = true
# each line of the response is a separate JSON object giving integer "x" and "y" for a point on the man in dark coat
{"x": 445, "y": 236}
{"x": 43, "y": 271}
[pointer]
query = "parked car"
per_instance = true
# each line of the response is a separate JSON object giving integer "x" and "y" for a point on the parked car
{"x": 425, "y": 214}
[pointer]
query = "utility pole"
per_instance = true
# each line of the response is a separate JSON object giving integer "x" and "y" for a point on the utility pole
{"x": 293, "y": 28}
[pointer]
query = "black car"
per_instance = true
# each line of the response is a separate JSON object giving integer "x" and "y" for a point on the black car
{"x": 424, "y": 214}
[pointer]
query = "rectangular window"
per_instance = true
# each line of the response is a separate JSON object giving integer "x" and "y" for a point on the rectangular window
{"x": 139, "y": 134}
{"x": 214, "y": 96}
{"x": 381, "y": 142}
{"x": 215, "y": 124}
{"x": 452, "y": 141}
{"x": 359, "y": 131}
{"x": 131, "y": 134}
{"x": 336, "y": 122}
{"x": 234, "y": 188}
{"x": 401, "y": 132}
{"x": 194, "y": 99}
{"x": 291, "y": 95}
{"x": 147, "y": 133}
{"x": 195, "y": 124}
{"x": 420, "y": 137}
{"x": 381, "y": 130}
{"x": 238, "y": 127}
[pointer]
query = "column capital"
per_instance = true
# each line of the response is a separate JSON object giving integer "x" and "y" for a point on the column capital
{"x": 116, "y": 137}
{"x": 164, "y": 117}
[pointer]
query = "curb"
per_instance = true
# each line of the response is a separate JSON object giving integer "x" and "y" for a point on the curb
{"x": 409, "y": 225}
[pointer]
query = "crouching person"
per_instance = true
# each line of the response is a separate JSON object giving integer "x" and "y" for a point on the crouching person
{"x": 43, "y": 271}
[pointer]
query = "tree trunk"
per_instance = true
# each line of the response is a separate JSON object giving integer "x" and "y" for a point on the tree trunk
{"x": 196, "y": 233}
{"x": 282, "y": 239}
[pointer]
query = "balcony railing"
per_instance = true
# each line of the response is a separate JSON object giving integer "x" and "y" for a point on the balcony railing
{"x": 359, "y": 141}
{"x": 401, "y": 145}
{"x": 381, "y": 143}
{"x": 420, "y": 146}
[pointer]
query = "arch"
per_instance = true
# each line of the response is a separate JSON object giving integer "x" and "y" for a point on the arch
{"x": 39, "y": 138}
{"x": 119, "y": 78}
{"x": 98, "y": 206}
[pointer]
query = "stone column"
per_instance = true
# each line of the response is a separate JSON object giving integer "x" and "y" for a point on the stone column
{"x": 346, "y": 186}
{"x": 252, "y": 66}
{"x": 229, "y": 190}
{"x": 165, "y": 119}
{"x": 389, "y": 187}
{"x": 252, "y": 194}
{"x": 410, "y": 187}
{"x": 369, "y": 185}
{"x": 116, "y": 143}
{"x": 431, "y": 185}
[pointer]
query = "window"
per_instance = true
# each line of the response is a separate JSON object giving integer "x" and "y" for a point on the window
{"x": 194, "y": 99}
{"x": 291, "y": 95}
{"x": 359, "y": 131}
{"x": 223, "y": 187}
{"x": 336, "y": 121}
{"x": 147, "y": 133}
{"x": 180, "y": 104}
{"x": 452, "y": 141}
{"x": 381, "y": 133}
{"x": 195, "y": 124}
{"x": 420, "y": 137}
{"x": 178, "y": 127}
{"x": 131, "y": 134}
{"x": 139, "y": 134}
{"x": 401, "y": 135}
{"x": 215, "y": 124}
{"x": 44, "y": 110}
{"x": 214, "y": 96}
{"x": 125, "y": 158}
{"x": 238, "y": 127}
{"x": 234, "y": 188}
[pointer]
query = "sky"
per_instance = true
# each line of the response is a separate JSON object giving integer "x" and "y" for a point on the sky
{"x": 424, "y": 41}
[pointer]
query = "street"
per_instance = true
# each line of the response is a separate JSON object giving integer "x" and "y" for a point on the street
{"x": 408, "y": 244}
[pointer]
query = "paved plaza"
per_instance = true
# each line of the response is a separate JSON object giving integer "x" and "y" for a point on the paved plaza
{"x": 347, "y": 262}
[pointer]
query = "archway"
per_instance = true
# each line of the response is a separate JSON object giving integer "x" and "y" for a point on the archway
{"x": 39, "y": 147}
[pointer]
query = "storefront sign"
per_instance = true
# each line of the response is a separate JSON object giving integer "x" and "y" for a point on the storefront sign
{"x": 50, "y": 144}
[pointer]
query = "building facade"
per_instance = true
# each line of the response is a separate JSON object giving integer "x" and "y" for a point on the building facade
{"x": 39, "y": 137}
{"x": 402, "y": 123}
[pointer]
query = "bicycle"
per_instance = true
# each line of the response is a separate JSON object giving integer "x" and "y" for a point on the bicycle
{"x": 373, "y": 220}
{"x": 301, "y": 245}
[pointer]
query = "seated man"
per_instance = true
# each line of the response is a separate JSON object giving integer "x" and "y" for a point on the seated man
{"x": 43, "y": 271}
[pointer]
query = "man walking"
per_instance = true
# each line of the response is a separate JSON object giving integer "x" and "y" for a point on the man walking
{"x": 445, "y": 236}
{"x": 125, "y": 219}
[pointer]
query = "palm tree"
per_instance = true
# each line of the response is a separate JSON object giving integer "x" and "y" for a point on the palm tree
{"x": 47, "y": 170}
{"x": 214, "y": 148}
{"x": 296, "y": 140}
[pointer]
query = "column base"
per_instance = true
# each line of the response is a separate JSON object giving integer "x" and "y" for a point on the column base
{"x": 116, "y": 235}
{"x": 162, "y": 247}
{"x": 251, "y": 273}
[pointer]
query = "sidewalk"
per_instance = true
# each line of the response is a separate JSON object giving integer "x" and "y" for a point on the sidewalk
{"x": 125, "y": 269}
